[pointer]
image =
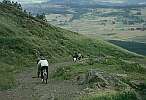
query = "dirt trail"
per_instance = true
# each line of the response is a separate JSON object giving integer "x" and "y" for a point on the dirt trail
{"x": 30, "y": 88}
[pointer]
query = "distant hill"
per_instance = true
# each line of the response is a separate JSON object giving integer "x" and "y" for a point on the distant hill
{"x": 64, "y": 6}
{"x": 105, "y": 2}
{"x": 22, "y": 35}
{"x": 137, "y": 47}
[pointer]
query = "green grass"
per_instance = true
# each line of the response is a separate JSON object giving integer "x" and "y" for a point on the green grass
{"x": 110, "y": 65}
{"x": 129, "y": 71}
{"x": 125, "y": 95}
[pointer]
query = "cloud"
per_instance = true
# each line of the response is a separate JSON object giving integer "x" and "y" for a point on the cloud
{"x": 142, "y": 3}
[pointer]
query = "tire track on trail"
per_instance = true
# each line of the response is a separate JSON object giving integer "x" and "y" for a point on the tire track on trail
{"x": 31, "y": 88}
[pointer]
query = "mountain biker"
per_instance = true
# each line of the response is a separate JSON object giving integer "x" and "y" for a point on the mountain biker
{"x": 43, "y": 63}
{"x": 75, "y": 56}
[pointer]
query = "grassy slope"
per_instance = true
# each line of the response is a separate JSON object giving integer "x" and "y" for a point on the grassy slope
{"x": 21, "y": 34}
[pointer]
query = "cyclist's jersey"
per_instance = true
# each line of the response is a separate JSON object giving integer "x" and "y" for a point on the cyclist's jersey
{"x": 43, "y": 63}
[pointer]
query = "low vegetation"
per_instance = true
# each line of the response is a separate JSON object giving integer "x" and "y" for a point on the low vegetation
{"x": 124, "y": 95}
{"x": 106, "y": 73}
{"x": 110, "y": 65}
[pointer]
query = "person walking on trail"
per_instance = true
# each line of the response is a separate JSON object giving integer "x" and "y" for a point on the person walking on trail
{"x": 43, "y": 63}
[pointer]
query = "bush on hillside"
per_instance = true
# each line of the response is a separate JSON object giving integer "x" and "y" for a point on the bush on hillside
{"x": 133, "y": 67}
{"x": 41, "y": 17}
{"x": 14, "y": 4}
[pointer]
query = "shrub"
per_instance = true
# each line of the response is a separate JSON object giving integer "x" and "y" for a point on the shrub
{"x": 133, "y": 67}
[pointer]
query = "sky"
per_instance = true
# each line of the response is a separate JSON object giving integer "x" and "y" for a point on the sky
{"x": 106, "y": 1}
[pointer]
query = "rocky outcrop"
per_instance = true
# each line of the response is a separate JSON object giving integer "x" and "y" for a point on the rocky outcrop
{"x": 99, "y": 79}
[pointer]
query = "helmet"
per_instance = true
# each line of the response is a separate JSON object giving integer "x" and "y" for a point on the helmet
{"x": 42, "y": 58}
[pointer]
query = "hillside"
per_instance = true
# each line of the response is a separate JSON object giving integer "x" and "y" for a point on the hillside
{"x": 22, "y": 35}
{"x": 137, "y": 47}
